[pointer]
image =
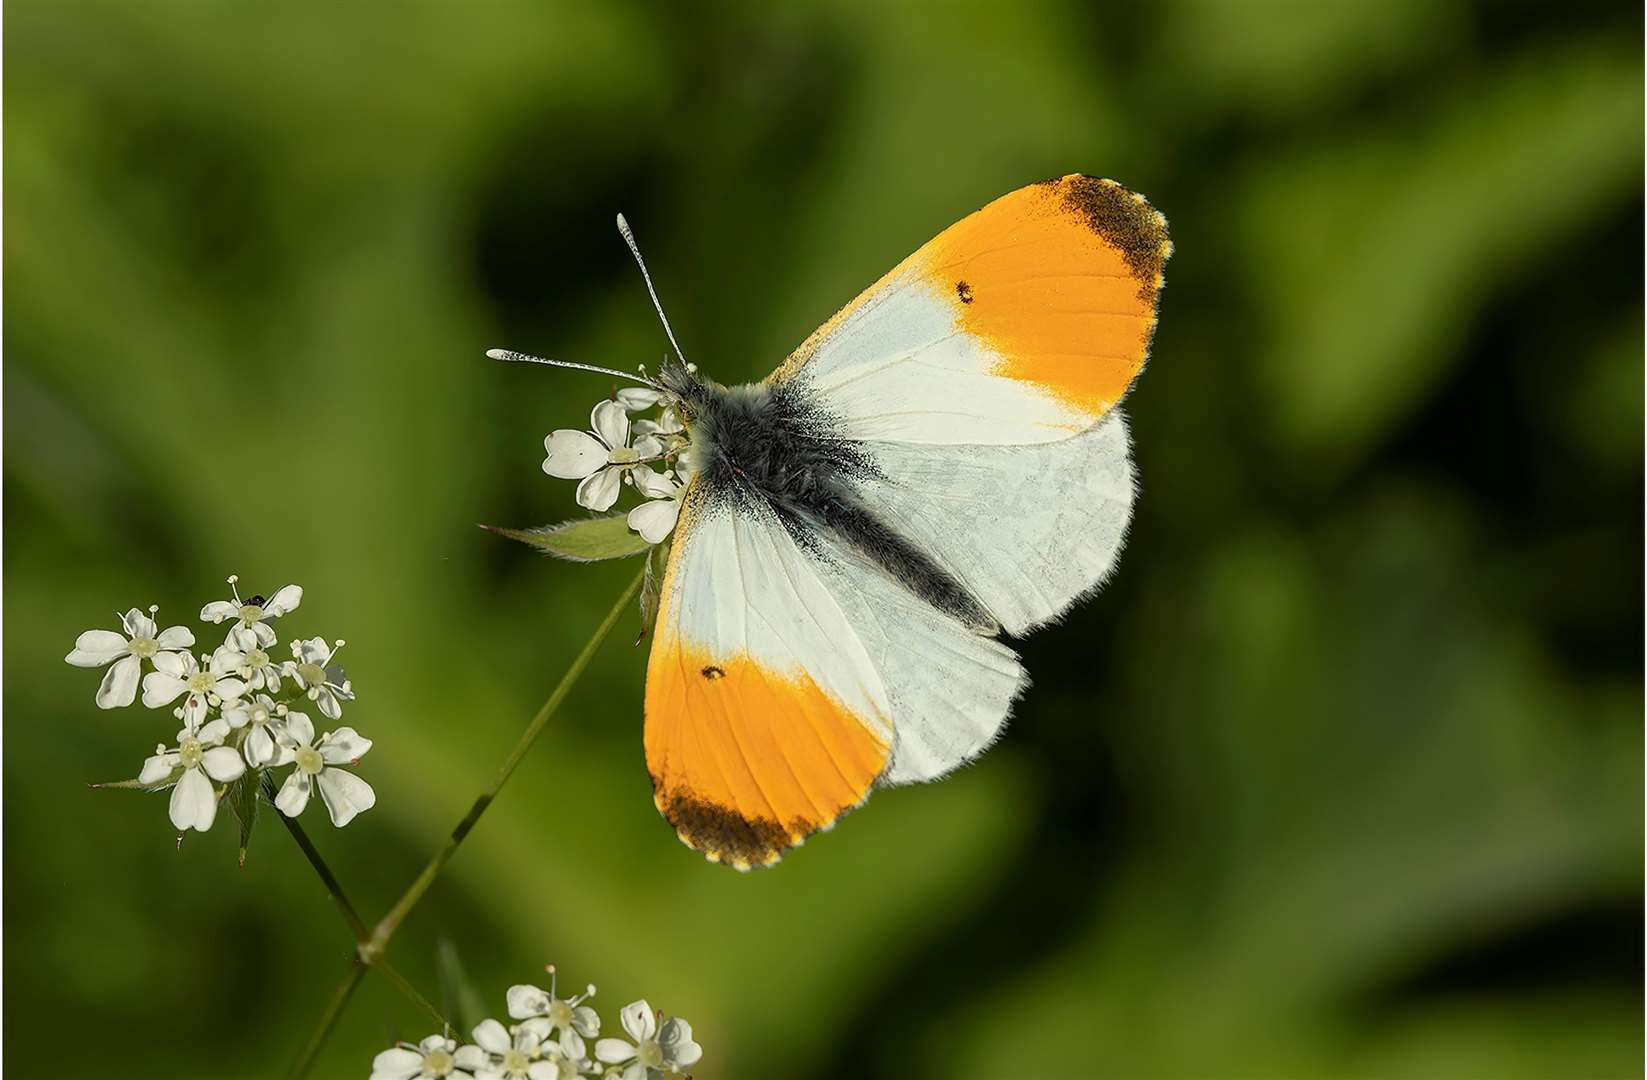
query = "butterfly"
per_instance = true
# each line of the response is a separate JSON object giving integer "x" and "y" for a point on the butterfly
{"x": 944, "y": 461}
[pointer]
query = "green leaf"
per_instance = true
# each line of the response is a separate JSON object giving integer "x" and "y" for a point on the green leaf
{"x": 589, "y": 540}
{"x": 243, "y": 801}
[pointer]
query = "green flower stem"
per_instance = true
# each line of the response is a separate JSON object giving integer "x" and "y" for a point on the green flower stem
{"x": 372, "y": 949}
{"x": 357, "y": 925}
{"x": 328, "y": 1019}
{"x": 371, "y": 945}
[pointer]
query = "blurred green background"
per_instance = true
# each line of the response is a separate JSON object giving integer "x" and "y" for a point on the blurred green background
{"x": 1341, "y": 776}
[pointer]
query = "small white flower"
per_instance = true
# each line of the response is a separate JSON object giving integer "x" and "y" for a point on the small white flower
{"x": 520, "y": 1052}
{"x": 318, "y": 765}
{"x": 127, "y": 651}
{"x": 435, "y": 1058}
{"x": 243, "y": 654}
{"x": 250, "y": 613}
{"x": 321, "y": 680}
{"x": 265, "y": 724}
{"x": 179, "y": 673}
{"x": 199, "y": 754}
{"x": 527, "y": 1002}
{"x": 656, "y": 1049}
{"x": 656, "y": 518}
{"x": 599, "y": 460}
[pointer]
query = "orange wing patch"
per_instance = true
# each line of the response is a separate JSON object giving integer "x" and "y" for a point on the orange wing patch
{"x": 1061, "y": 279}
{"x": 747, "y": 762}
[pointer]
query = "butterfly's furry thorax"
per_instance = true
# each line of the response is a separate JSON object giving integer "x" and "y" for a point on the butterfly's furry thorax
{"x": 773, "y": 445}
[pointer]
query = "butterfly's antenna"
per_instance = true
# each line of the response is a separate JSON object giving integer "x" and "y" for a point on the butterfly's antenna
{"x": 512, "y": 357}
{"x": 634, "y": 249}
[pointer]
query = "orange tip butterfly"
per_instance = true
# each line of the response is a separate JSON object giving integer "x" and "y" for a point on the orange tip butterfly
{"x": 942, "y": 461}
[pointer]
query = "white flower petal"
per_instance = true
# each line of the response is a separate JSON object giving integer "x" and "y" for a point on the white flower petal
{"x": 656, "y": 519}
{"x": 675, "y": 1040}
{"x": 653, "y": 485}
{"x": 599, "y": 491}
{"x": 344, "y": 794}
{"x": 572, "y": 455}
{"x": 437, "y": 1042}
{"x": 194, "y": 803}
{"x": 614, "y": 1051}
{"x": 638, "y": 398}
{"x": 222, "y": 763}
{"x": 571, "y": 1045}
{"x": 119, "y": 687}
{"x": 259, "y": 747}
{"x": 284, "y": 601}
{"x": 214, "y": 732}
{"x": 526, "y": 1001}
{"x": 161, "y": 688}
{"x": 637, "y": 1071}
{"x": 218, "y": 610}
{"x": 326, "y": 702}
{"x": 647, "y": 446}
{"x": 610, "y": 422}
{"x": 138, "y": 624}
{"x": 158, "y": 768}
{"x": 180, "y": 664}
{"x": 638, "y": 1020}
{"x": 586, "y": 1021}
{"x": 294, "y": 794}
{"x": 175, "y": 637}
{"x": 228, "y": 689}
{"x": 543, "y": 1070}
{"x": 493, "y": 1037}
{"x": 397, "y": 1063}
{"x": 299, "y": 728}
{"x": 344, "y": 746}
{"x": 95, "y": 648}
{"x": 472, "y": 1057}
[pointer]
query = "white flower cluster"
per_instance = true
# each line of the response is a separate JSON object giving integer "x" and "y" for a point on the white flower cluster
{"x": 616, "y": 451}
{"x": 238, "y": 707}
{"x": 549, "y": 1041}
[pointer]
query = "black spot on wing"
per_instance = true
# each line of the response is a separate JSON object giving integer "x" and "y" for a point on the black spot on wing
{"x": 1126, "y": 221}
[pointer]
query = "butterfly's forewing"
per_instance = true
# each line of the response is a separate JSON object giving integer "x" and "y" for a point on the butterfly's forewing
{"x": 1023, "y": 323}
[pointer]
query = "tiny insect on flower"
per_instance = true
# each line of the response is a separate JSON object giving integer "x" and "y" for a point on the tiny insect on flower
{"x": 249, "y": 614}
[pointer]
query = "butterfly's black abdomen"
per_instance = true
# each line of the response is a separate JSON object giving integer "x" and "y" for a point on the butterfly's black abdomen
{"x": 776, "y": 445}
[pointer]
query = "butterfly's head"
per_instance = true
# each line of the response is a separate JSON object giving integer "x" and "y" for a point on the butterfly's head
{"x": 691, "y": 391}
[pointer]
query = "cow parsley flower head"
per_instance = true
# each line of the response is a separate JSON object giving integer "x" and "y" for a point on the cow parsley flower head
{"x": 250, "y": 614}
{"x": 239, "y": 711}
{"x": 137, "y": 641}
{"x": 529, "y": 1050}
{"x": 658, "y": 1047}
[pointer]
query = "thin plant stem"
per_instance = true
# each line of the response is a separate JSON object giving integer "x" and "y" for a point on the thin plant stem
{"x": 371, "y": 949}
{"x": 328, "y": 1019}
{"x": 357, "y": 925}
